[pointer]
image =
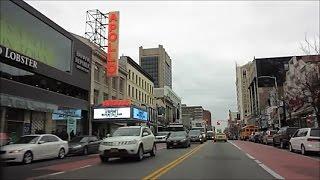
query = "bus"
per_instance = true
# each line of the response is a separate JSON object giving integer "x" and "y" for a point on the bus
{"x": 246, "y": 131}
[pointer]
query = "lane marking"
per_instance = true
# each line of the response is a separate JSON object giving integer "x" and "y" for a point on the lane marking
{"x": 60, "y": 172}
{"x": 156, "y": 174}
{"x": 266, "y": 168}
{"x": 270, "y": 171}
{"x": 250, "y": 156}
{"x": 235, "y": 145}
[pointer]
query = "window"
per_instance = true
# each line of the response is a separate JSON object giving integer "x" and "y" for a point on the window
{"x": 129, "y": 90}
{"x": 53, "y": 139}
{"x": 113, "y": 97}
{"x": 136, "y": 79}
{"x": 121, "y": 85}
{"x": 96, "y": 96}
{"x": 139, "y": 95}
{"x": 132, "y": 92}
{"x": 105, "y": 96}
{"x": 136, "y": 93}
{"x": 105, "y": 77}
{"x": 97, "y": 73}
{"x": 132, "y": 76}
{"x": 114, "y": 81}
{"x": 139, "y": 81}
{"x": 129, "y": 74}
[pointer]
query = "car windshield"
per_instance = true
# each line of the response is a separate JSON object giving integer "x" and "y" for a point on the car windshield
{"x": 27, "y": 140}
{"x": 178, "y": 134}
{"x": 127, "y": 132}
{"x": 79, "y": 139}
{"x": 194, "y": 132}
{"x": 162, "y": 133}
{"x": 315, "y": 132}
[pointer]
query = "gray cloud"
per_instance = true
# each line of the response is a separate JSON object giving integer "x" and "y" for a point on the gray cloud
{"x": 204, "y": 39}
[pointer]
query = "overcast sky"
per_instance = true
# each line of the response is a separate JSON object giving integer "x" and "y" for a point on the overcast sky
{"x": 204, "y": 39}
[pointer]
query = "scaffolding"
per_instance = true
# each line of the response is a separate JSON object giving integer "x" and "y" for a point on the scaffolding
{"x": 96, "y": 23}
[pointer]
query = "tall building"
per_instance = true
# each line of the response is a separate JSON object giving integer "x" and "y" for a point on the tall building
{"x": 243, "y": 93}
{"x": 157, "y": 63}
{"x": 103, "y": 87}
{"x": 207, "y": 118}
{"x": 193, "y": 115}
{"x": 44, "y": 74}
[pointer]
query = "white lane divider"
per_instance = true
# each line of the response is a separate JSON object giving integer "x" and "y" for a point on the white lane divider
{"x": 266, "y": 168}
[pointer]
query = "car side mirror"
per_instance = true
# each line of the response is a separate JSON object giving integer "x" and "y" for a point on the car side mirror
{"x": 108, "y": 135}
{"x": 41, "y": 142}
{"x": 145, "y": 134}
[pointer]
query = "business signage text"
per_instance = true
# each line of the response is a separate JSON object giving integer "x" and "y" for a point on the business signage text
{"x": 113, "y": 44}
{"x": 65, "y": 114}
{"x": 111, "y": 113}
{"x": 83, "y": 62}
{"x": 140, "y": 114}
{"x": 17, "y": 57}
{"x": 116, "y": 103}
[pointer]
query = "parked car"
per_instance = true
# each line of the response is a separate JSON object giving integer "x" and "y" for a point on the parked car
{"x": 162, "y": 136}
{"x": 251, "y": 137}
{"x": 257, "y": 137}
{"x": 34, "y": 147}
{"x": 305, "y": 140}
{"x": 220, "y": 137}
{"x": 210, "y": 135}
{"x": 196, "y": 136}
{"x": 268, "y": 137}
{"x": 84, "y": 145}
{"x": 283, "y": 136}
{"x": 129, "y": 141}
{"x": 178, "y": 139}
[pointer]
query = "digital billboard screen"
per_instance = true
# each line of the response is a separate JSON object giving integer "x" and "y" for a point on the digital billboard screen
{"x": 140, "y": 114}
{"x": 28, "y": 35}
{"x": 111, "y": 113}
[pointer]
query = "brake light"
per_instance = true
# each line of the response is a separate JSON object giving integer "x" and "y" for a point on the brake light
{"x": 314, "y": 140}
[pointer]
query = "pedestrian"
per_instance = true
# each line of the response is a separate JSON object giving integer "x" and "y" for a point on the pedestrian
{"x": 72, "y": 134}
{"x": 64, "y": 135}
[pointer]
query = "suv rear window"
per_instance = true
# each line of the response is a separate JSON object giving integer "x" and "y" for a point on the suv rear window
{"x": 291, "y": 130}
{"x": 315, "y": 132}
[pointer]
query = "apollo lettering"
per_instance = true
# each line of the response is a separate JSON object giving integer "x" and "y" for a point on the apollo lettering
{"x": 20, "y": 58}
{"x": 113, "y": 44}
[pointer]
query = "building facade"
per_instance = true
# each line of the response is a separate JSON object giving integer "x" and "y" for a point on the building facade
{"x": 207, "y": 118}
{"x": 45, "y": 74}
{"x": 243, "y": 93}
{"x": 104, "y": 88}
{"x": 168, "y": 105}
{"x": 157, "y": 63}
{"x": 140, "y": 88}
{"x": 193, "y": 115}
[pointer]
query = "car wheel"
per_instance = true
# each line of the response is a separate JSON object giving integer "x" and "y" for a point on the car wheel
{"x": 140, "y": 153}
{"x": 104, "y": 159}
{"x": 303, "y": 150}
{"x": 62, "y": 153}
{"x": 27, "y": 157}
{"x": 290, "y": 147}
{"x": 85, "y": 150}
{"x": 154, "y": 149}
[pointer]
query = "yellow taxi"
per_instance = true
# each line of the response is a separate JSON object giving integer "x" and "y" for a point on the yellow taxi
{"x": 220, "y": 137}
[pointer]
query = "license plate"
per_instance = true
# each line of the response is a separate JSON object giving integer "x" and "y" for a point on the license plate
{"x": 113, "y": 150}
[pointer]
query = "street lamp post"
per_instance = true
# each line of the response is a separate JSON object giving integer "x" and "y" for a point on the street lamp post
{"x": 277, "y": 95}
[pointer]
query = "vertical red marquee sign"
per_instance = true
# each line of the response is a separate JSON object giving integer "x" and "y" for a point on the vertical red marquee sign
{"x": 113, "y": 44}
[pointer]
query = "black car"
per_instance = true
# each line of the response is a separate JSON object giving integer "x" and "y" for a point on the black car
{"x": 84, "y": 145}
{"x": 178, "y": 139}
{"x": 282, "y": 137}
{"x": 257, "y": 137}
{"x": 196, "y": 136}
{"x": 210, "y": 135}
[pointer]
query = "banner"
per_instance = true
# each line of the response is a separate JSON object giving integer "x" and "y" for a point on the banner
{"x": 113, "y": 44}
{"x": 72, "y": 125}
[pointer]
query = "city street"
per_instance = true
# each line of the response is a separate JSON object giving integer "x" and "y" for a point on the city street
{"x": 231, "y": 160}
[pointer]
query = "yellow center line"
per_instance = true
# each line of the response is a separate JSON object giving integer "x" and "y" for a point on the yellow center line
{"x": 156, "y": 174}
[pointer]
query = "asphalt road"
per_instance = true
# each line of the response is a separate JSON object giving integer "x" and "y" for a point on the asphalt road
{"x": 230, "y": 160}
{"x": 207, "y": 161}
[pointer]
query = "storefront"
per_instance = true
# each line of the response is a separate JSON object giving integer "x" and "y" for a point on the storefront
{"x": 45, "y": 74}
{"x": 106, "y": 119}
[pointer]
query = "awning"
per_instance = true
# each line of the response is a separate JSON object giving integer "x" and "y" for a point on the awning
{"x": 24, "y": 103}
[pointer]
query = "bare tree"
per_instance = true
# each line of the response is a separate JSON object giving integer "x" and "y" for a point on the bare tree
{"x": 311, "y": 47}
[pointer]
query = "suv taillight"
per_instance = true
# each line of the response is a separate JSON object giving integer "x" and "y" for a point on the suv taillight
{"x": 311, "y": 139}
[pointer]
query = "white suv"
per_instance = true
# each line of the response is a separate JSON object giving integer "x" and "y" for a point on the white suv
{"x": 305, "y": 140}
{"x": 129, "y": 141}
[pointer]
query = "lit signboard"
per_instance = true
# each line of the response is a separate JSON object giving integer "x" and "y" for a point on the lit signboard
{"x": 111, "y": 113}
{"x": 140, "y": 114}
{"x": 116, "y": 103}
{"x": 113, "y": 44}
{"x": 65, "y": 114}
